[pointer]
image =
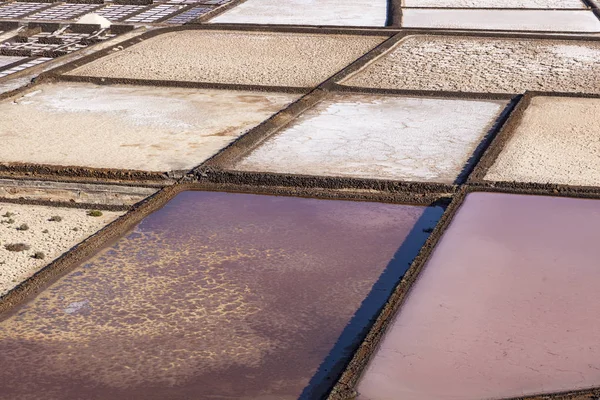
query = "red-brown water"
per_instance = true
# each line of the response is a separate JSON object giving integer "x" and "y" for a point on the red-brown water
{"x": 215, "y": 296}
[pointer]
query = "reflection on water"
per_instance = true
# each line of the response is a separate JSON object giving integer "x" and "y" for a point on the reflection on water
{"x": 214, "y": 296}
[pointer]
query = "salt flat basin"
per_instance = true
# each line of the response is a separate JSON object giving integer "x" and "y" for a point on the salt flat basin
{"x": 215, "y": 295}
{"x": 307, "y": 12}
{"x": 476, "y": 64}
{"x": 379, "y": 137}
{"x": 503, "y": 308}
{"x": 556, "y": 142}
{"x": 508, "y": 20}
{"x": 553, "y": 4}
{"x": 234, "y": 57}
{"x": 154, "y": 129}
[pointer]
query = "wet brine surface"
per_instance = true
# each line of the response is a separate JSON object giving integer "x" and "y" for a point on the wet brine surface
{"x": 215, "y": 296}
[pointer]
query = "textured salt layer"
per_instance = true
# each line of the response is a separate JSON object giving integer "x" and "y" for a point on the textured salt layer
{"x": 75, "y": 226}
{"x": 381, "y": 137}
{"x": 128, "y": 127}
{"x": 252, "y": 58}
{"x": 495, "y": 3}
{"x": 505, "y": 307}
{"x": 6, "y": 60}
{"x": 214, "y": 296}
{"x": 470, "y": 64}
{"x": 558, "y": 141}
{"x": 508, "y": 20}
{"x": 308, "y": 12}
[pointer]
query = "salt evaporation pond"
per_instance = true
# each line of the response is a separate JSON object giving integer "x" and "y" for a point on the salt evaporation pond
{"x": 215, "y": 295}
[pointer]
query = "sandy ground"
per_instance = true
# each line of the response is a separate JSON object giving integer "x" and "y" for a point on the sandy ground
{"x": 495, "y": 3}
{"x": 5, "y": 60}
{"x": 504, "y": 307}
{"x": 15, "y": 267}
{"x": 558, "y": 141}
{"x": 252, "y": 58}
{"x": 82, "y": 193}
{"x": 308, "y": 12}
{"x": 469, "y": 64}
{"x": 128, "y": 127}
{"x": 510, "y": 20}
{"x": 379, "y": 137}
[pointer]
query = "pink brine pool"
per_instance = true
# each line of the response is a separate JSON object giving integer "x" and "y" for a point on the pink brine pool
{"x": 215, "y": 296}
{"x": 506, "y": 306}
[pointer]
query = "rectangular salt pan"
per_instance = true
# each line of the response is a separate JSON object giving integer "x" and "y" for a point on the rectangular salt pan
{"x": 128, "y": 127}
{"x": 505, "y": 307}
{"x": 508, "y": 20}
{"x": 556, "y": 142}
{"x": 229, "y": 57}
{"x": 312, "y": 12}
{"x": 379, "y": 137}
{"x": 495, "y": 3}
{"x": 472, "y": 64}
{"x": 222, "y": 295}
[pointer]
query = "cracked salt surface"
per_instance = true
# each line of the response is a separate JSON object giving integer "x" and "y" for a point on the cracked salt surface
{"x": 505, "y": 307}
{"x": 385, "y": 137}
{"x": 470, "y": 64}
{"x": 128, "y": 127}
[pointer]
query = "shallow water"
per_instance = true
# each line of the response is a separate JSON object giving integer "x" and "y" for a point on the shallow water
{"x": 505, "y": 307}
{"x": 216, "y": 295}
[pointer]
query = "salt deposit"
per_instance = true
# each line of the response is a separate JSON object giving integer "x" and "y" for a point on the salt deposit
{"x": 495, "y": 3}
{"x": 94, "y": 19}
{"x": 308, "y": 12}
{"x": 251, "y": 58}
{"x": 508, "y": 20}
{"x": 470, "y": 64}
{"x": 128, "y": 127}
{"x": 556, "y": 142}
{"x": 379, "y": 137}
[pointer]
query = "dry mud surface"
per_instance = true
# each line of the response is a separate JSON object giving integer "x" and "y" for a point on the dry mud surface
{"x": 216, "y": 295}
{"x": 503, "y": 308}
{"x": 308, "y": 12}
{"x": 558, "y": 141}
{"x": 249, "y": 58}
{"x": 508, "y": 20}
{"x": 128, "y": 127}
{"x": 379, "y": 137}
{"x": 15, "y": 267}
{"x": 470, "y": 64}
{"x": 495, "y": 3}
